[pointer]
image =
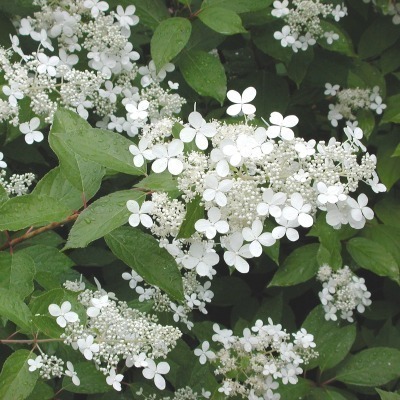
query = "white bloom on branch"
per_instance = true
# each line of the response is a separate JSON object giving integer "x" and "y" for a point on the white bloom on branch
{"x": 114, "y": 379}
{"x": 241, "y": 102}
{"x": 167, "y": 157}
{"x": 64, "y": 314}
{"x": 155, "y": 372}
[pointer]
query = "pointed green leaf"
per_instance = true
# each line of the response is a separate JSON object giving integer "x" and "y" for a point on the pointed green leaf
{"x": 143, "y": 254}
{"x": 222, "y": 20}
{"x": 14, "y": 309}
{"x": 164, "y": 182}
{"x": 101, "y": 217}
{"x": 16, "y": 381}
{"x": 194, "y": 212}
{"x": 168, "y": 40}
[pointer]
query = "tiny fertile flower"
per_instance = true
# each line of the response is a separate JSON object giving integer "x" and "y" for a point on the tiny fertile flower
{"x": 140, "y": 215}
{"x": 30, "y": 132}
{"x": 114, "y": 379}
{"x": 155, "y": 372}
{"x": 35, "y": 364}
{"x": 63, "y": 313}
{"x": 70, "y": 371}
{"x": 242, "y": 101}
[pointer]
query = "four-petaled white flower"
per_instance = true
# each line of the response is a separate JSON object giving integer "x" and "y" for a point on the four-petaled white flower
{"x": 373, "y": 182}
{"x": 87, "y": 347}
{"x": 280, "y": 8}
{"x": 378, "y": 105}
{"x": 114, "y": 379}
{"x": 153, "y": 371}
{"x": 96, "y": 7}
{"x": 213, "y": 224}
{"x": 286, "y": 228}
{"x": 70, "y": 371}
{"x": 137, "y": 360}
{"x": 97, "y": 305}
{"x": 305, "y": 149}
{"x": 204, "y": 353}
{"x": 133, "y": 278}
{"x": 200, "y": 257}
{"x": 167, "y": 157}
{"x": 257, "y": 238}
{"x": 47, "y": 64}
{"x": 331, "y": 90}
{"x": 215, "y": 190}
{"x": 285, "y": 37}
{"x": 64, "y": 314}
{"x": 126, "y": 18}
{"x": 35, "y": 364}
{"x": 330, "y": 194}
{"x": 242, "y": 101}
{"x": 298, "y": 211}
{"x": 13, "y": 93}
{"x": 140, "y": 215}
{"x": 138, "y": 111}
{"x": 199, "y": 130}
{"x": 141, "y": 152}
{"x": 30, "y": 132}
{"x": 359, "y": 209}
{"x": 3, "y": 164}
{"x": 271, "y": 203}
{"x": 236, "y": 253}
{"x": 282, "y": 126}
{"x": 331, "y": 37}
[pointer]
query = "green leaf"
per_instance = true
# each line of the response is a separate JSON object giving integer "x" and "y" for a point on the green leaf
{"x": 370, "y": 45}
{"x": 109, "y": 149}
{"x": 101, "y": 217}
{"x": 221, "y": 20}
{"x": 41, "y": 391}
{"x": 333, "y": 342}
{"x": 392, "y": 113}
{"x": 52, "y": 267}
{"x": 54, "y": 184}
{"x": 16, "y": 273}
{"x": 366, "y": 121}
{"x": 238, "y": 6}
{"x": 371, "y": 367}
{"x": 143, "y": 254}
{"x": 18, "y": 7}
{"x": 271, "y": 251}
{"x": 14, "y": 309}
{"x": 342, "y": 45}
{"x": 150, "y": 12}
{"x": 365, "y": 75}
{"x": 194, "y": 212}
{"x": 203, "y": 38}
{"x": 168, "y": 40}
{"x": 229, "y": 291}
{"x": 300, "y": 266}
{"x": 298, "y": 391}
{"x": 388, "y": 395}
{"x": 3, "y": 195}
{"x": 31, "y": 210}
{"x": 329, "y": 393}
{"x": 92, "y": 380}
{"x": 388, "y": 211}
{"x": 298, "y": 65}
{"x": 204, "y": 73}
{"x": 390, "y": 60}
{"x": 374, "y": 257}
{"x": 164, "y": 182}
{"x": 388, "y": 166}
{"x": 16, "y": 381}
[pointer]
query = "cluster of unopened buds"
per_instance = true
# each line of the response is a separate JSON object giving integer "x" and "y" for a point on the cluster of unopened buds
{"x": 342, "y": 291}
{"x": 303, "y": 22}
{"x": 349, "y": 101}
{"x": 253, "y": 365}
{"x": 112, "y": 332}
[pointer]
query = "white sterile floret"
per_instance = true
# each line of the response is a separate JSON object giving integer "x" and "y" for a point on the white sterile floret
{"x": 377, "y": 105}
{"x": 286, "y": 228}
{"x": 213, "y": 224}
{"x": 126, "y": 18}
{"x": 114, "y": 379}
{"x": 287, "y": 40}
{"x": 298, "y": 211}
{"x": 355, "y": 135}
{"x": 331, "y": 37}
{"x": 331, "y": 90}
{"x": 96, "y": 6}
{"x": 236, "y": 253}
{"x": 133, "y": 278}
{"x": 305, "y": 149}
{"x": 245, "y": 147}
{"x": 87, "y": 346}
{"x": 155, "y": 372}
{"x": 216, "y": 189}
{"x": 373, "y": 182}
{"x": 280, "y": 8}
{"x": 272, "y": 203}
{"x": 141, "y": 152}
{"x": 140, "y": 214}
{"x": 137, "y": 360}
{"x": 201, "y": 257}
{"x": 359, "y": 209}
{"x": 222, "y": 165}
{"x": 35, "y": 364}
{"x": 282, "y": 126}
{"x": 3, "y": 164}
{"x": 30, "y": 132}
{"x": 70, "y": 371}
{"x": 257, "y": 238}
{"x": 64, "y": 314}
{"x": 43, "y": 39}
{"x": 199, "y": 130}
{"x": 330, "y": 194}
{"x": 241, "y": 102}
{"x": 204, "y": 353}
{"x": 97, "y": 306}
{"x": 138, "y": 111}
{"x": 13, "y": 93}
{"x": 167, "y": 157}
{"x": 47, "y": 65}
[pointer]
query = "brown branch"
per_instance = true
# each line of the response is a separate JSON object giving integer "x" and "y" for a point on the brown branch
{"x": 35, "y": 232}
{"x": 28, "y": 341}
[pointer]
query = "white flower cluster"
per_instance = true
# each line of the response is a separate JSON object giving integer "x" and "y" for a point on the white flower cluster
{"x": 113, "y": 332}
{"x": 71, "y": 32}
{"x": 186, "y": 393}
{"x": 351, "y": 100}
{"x": 342, "y": 292}
{"x": 52, "y": 367}
{"x": 251, "y": 365}
{"x": 246, "y": 175}
{"x": 16, "y": 184}
{"x": 303, "y": 22}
